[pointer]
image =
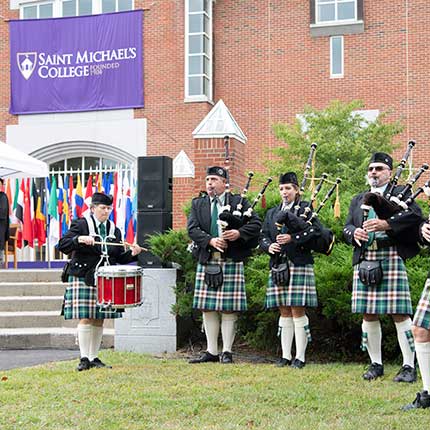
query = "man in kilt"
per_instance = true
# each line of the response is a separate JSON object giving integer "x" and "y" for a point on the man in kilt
{"x": 220, "y": 283}
{"x": 421, "y": 331}
{"x": 297, "y": 290}
{"x": 390, "y": 241}
{"x": 80, "y": 297}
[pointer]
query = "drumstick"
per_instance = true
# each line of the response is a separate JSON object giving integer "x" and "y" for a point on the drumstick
{"x": 118, "y": 244}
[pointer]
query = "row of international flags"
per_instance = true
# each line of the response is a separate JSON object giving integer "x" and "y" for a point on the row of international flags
{"x": 45, "y": 212}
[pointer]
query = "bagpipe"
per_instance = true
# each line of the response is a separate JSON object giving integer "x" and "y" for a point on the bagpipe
{"x": 229, "y": 219}
{"x": 386, "y": 206}
{"x": 302, "y": 227}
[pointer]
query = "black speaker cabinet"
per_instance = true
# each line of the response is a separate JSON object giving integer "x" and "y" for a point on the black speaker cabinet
{"x": 149, "y": 223}
{"x": 154, "y": 184}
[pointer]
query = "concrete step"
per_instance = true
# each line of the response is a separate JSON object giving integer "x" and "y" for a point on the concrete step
{"x": 42, "y": 337}
{"x": 30, "y": 303}
{"x": 30, "y": 275}
{"x": 45, "y": 319}
{"x": 49, "y": 288}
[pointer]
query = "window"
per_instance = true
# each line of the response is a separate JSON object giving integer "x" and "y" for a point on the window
{"x": 336, "y": 10}
{"x": 198, "y": 50}
{"x": 77, "y": 7}
{"x": 336, "y": 57}
{"x": 37, "y": 11}
{"x": 116, "y": 5}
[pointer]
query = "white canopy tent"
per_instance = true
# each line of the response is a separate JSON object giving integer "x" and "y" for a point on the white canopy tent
{"x": 15, "y": 163}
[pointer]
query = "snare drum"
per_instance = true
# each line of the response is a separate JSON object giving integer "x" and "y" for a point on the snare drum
{"x": 119, "y": 286}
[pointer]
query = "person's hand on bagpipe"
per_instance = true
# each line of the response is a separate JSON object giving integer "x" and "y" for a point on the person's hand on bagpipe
{"x": 218, "y": 243}
{"x": 425, "y": 232}
{"x": 230, "y": 235}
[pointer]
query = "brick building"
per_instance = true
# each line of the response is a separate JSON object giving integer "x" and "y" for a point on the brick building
{"x": 264, "y": 59}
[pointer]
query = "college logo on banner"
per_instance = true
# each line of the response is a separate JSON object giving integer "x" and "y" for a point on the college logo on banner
{"x": 26, "y": 63}
{"x": 76, "y": 64}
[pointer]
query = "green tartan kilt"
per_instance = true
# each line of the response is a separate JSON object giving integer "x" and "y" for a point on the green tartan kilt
{"x": 422, "y": 313}
{"x": 230, "y": 297}
{"x": 80, "y": 301}
{"x": 300, "y": 291}
{"x": 392, "y": 296}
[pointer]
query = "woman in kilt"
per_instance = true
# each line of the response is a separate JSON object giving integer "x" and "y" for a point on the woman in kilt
{"x": 421, "y": 331}
{"x": 390, "y": 241}
{"x": 298, "y": 291}
{"x": 80, "y": 298}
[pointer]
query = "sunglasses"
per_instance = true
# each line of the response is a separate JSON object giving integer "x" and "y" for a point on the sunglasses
{"x": 377, "y": 168}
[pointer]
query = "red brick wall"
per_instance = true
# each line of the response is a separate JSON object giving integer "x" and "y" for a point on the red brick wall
{"x": 267, "y": 68}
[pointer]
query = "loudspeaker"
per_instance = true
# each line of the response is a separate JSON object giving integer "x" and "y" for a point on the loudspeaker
{"x": 149, "y": 223}
{"x": 154, "y": 183}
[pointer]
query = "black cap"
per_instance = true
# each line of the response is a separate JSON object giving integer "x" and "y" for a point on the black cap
{"x": 102, "y": 199}
{"x": 382, "y": 157}
{"x": 217, "y": 171}
{"x": 288, "y": 178}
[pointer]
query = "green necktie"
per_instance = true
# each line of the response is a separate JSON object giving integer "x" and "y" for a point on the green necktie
{"x": 372, "y": 215}
{"x": 102, "y": 230}
{"x": 214, "y": 218}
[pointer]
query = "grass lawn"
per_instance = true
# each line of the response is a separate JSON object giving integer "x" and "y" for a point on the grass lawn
{"x": 141, "y": 392}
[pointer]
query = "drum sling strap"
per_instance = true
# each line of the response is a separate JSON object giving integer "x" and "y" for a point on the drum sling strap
{"x": 92, "y": 226}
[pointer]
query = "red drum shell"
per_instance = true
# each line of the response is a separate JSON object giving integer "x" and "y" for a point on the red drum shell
{"x": 119, "y": 286}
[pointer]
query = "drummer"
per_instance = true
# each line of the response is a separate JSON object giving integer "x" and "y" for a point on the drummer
{"x": 80, "y": 297}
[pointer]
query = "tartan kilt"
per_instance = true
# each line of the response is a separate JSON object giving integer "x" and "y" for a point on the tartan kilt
{"x": 392, "y": 296}
{"x": 80, "y": 301}
{"x": 422, "y": 313}
{"x": 230, "y": 297}
{"x": 300, "y": 291}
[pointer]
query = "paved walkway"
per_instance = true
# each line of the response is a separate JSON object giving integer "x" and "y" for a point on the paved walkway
{"x": 14, "y": 358}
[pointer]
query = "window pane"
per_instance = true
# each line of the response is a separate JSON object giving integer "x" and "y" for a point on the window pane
{"x": 196, "y": 23}
{"x": 45, "y": 10}
{"x": 74, "y": 163}
{"x": 30, "y": 12}
{"x": 195, "y": 65}
{"x": 85, "y": 7}
{"x": 195, "y": 86}
{"x": 125, "y": 5}
{"x": 108, "y": 6}
{"x": 59, "y": 165}
{"x": 336, "y": 52}
{"x": 91, "y": 163}
{"x": 326, "y": 12}
{"x": 69, "y": 8}
{"x": 196, "y": 44}
{"x": 206, "y": 86}
{"x": 346, "y": 10}
{"x": 197, "y": 5}
{"x": 109, "y": 163}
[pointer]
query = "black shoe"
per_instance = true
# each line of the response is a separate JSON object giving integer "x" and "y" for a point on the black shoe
{"x": 84, "y": 364}
{"x": 421, "y": 401}
{"x": 298, "y": 364}
{"x": 406, "y": 374}
{"x": 374, "y": 371}
{"x": 226, "y": 357}
{"x": 283, "y": 362}
{"x": 206, "y": 357}
{"x": 98, "y": 363}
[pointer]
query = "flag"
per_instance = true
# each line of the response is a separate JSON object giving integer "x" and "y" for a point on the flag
{"x": 19, "y": 211}
{"x": 65, "y": 216}
{"x": 115, "y": 196}
{"x": 120, "y": 205}
{"x": 71, "y": 198}
{"x": 27, "y": 230}
{"x": 8, "y": 192}
{"x": 79, "y": 199}
{"x": 128, "y": 228}
{"x": 60, "y": 188}
{"x": 88, "y": 195}
{"x": 54, "y": 223}
{"x": 99, "y": 182}
{"x": 40, "y": 219}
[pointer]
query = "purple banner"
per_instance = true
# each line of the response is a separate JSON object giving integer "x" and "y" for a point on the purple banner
{"x": 76, "y": 64}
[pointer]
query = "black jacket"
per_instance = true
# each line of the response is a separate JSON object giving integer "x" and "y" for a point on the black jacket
{"x": 297, "y": 250}
{"x": 404, "y": 227}
{"x": 199, "y": 225}
{"x": 84, "y": 257}
{"x": 4, "y": 219}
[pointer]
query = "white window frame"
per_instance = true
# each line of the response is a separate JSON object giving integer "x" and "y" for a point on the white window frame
{"x": 57, "y": 7}
{"x": 319, "y": 23}
{"x": 341, "y": 74}
{"x": 201, "y": 97}
{"x": 37, "y": 4}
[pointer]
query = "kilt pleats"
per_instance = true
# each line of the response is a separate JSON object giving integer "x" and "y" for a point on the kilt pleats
{"x": 422, "y": 313}
{"x": 392, "y": 296}
{"x": 230, "y": 297}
